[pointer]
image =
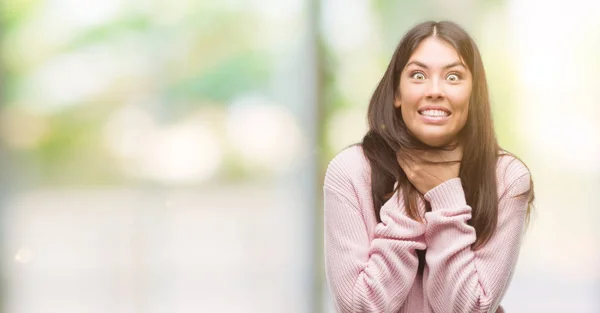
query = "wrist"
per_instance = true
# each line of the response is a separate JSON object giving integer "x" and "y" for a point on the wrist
{"x": 449, "y": 194}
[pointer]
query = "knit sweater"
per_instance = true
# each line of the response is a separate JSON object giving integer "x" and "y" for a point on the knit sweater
{"x": 373, "y": 267}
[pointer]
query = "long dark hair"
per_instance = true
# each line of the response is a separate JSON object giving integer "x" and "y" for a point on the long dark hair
{"x": 389, "y": 135}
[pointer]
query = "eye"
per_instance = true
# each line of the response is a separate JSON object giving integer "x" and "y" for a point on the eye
{"x": 417, "y": 75}
{"x": 453, "y": 77}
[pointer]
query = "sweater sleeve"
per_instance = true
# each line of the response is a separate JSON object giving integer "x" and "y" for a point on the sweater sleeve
{"x": 368, "y": 275}
{"x": 458, "y": 279}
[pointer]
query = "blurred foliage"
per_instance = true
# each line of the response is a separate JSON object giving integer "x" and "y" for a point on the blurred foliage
{"x": 209, "y": 71}
{"x": 74, "y": 148}
{"x": 138, "y": 24}
{"x": 241, "y": 73}
{"x": 14, "y": 12}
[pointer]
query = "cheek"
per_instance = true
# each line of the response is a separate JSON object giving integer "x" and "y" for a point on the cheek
{"x": 460, "y": 99}
{"x": 410, "y": 96}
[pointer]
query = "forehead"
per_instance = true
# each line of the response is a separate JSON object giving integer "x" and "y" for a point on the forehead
{"x": 435, "y": 52}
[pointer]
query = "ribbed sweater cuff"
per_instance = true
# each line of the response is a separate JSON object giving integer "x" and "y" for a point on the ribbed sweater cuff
{"x": 447, "y": 195}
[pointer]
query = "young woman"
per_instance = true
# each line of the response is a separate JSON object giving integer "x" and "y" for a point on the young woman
{"x": 428, "y": 212}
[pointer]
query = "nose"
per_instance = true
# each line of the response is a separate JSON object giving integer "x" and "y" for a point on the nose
{"x": 434, "y": 90}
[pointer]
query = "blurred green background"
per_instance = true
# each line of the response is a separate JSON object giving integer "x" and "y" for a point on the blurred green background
{"x": 167, "y": 156}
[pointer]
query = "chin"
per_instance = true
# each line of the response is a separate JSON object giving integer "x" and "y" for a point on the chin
{"x": 436, "y": 141}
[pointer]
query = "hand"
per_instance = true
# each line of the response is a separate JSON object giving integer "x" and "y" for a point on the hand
{"x": 429, "y": 168}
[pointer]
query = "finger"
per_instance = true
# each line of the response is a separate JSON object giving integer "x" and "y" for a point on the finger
{"x": 433, "y": 175}
{"x": 406, "y": 158}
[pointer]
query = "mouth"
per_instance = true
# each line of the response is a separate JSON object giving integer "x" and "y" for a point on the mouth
{"x": 434, "y": 115}
{"x": 434, "y": 112}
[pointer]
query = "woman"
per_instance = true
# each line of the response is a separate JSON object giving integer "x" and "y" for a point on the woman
{"x": 427, "y": 214}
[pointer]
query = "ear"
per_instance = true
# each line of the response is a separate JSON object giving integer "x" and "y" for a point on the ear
{"x": 397, "y": 102}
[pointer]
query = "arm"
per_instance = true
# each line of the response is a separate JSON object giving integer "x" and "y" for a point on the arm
{"x": 363, "y": 275}
{"x": 458, "y": 279}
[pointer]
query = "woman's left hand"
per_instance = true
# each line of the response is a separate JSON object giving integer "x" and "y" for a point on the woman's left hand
{"x": 424, "y": 170}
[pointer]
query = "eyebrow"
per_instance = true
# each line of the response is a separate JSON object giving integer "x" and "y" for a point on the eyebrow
{"x": 421, "y": 64}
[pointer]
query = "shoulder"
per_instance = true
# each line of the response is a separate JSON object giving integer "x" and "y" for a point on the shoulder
{"x": 512, "y": 174}
{"x": 348, "y": 170}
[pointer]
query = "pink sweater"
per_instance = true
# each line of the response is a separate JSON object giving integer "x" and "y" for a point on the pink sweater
{"x": 373, "y": 267}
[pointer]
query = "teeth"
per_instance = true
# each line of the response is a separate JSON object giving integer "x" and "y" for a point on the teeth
{"x": 434, "y": 113}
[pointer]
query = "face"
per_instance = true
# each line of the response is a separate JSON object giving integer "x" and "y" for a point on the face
{"x": 435, "y": 87}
